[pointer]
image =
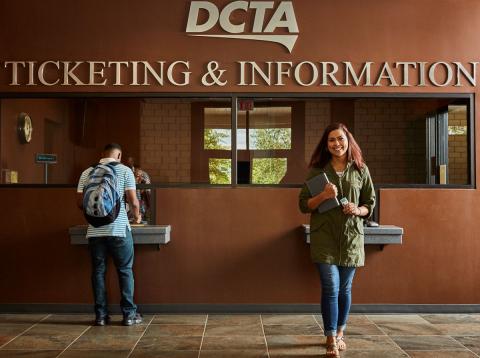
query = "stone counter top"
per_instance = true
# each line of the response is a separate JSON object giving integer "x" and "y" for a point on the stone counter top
{"x": 379, "y": 235}
{"x": 142, "y": 234}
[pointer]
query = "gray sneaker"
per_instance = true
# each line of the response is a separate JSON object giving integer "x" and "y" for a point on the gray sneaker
{"x": 130, "y": 321}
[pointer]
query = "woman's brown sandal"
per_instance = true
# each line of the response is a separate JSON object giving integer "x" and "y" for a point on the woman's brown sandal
{"x": 341, "y": 343}
{"x": 332, "y": 350}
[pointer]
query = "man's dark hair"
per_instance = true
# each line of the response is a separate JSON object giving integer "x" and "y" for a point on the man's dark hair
{"x": 111, "y": 146}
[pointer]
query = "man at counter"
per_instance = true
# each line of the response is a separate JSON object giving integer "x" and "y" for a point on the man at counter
{"x": 113, "y": 239}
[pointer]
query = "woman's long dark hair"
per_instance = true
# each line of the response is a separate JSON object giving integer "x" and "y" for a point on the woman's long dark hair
{"x": 321, "y": 155}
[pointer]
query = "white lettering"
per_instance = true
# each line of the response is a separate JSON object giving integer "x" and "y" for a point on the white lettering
{"x": 68, "y": 73}
{"x": 260, "y": 7}
{"x": 149, "y": 70}
{"x": 225, "y": 22}
{"x": 93, "y": 73}
{"x": 41, "y": 73}
{"x": 421, "y": 74}
{"x": 192, "y": 23}
{"x": 281, "y": 72}
{"x": 283, "y": 17}
{"x": 350, "y": 72}
{"x": 431, "y": 74}
{"x": 329, "y": 74}
{"x": 284, "y": 9}
{"x": 118, "y": 74}
{"x": 14, "y": 81}
{"x": 186, "y": 74}
{"x": 314, "y": 73}
{"x": 31, "y": 70}
{"x": 472, "y": 78}
{"x": 405, "y": 66}
{"x": 386, "y": 72}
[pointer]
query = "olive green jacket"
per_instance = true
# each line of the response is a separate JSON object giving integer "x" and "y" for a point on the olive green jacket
{"x": 336, "y": 238}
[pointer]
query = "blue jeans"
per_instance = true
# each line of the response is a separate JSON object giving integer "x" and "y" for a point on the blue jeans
{"x": 121, "y": 250}
{"x": 336, "y": 296}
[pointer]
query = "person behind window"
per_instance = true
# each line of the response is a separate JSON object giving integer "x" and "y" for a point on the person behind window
{"x": 114, "y": 239}
{"x": 336, "y": 235}
{"x": 143, "y": 195}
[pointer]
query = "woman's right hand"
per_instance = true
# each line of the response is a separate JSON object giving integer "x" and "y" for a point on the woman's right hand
{"x": 330, "y": 191}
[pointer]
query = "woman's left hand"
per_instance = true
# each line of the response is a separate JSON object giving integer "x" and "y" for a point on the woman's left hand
{"x": 351, "y": 209}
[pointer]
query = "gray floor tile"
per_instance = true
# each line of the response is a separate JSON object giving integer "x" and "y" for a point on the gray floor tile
{"x": 170, "y": 343}
{"x": 235, "y": 330}
{"x": 457, "y": 329}
{"x": 355, "y": 319}
{"x": 180, "y": 319}
{"x": 288, "y": 319}
{"x": 427, "y": 343}
{"x": 365, "y": 343}
{"x": 237, "y": 353}
{"x": 295, "y": 346}
{"x": 8, "y": 331}
{"x": 150, "y": 353}
{"x": 109, "y": 338}
{"x": 292, "y": 330}
{"x": 81, "y": 319}
{"x": 159, "y": 330}
{"x": 72, "y": 353}
{"x": 441, "y": 354}
{"x": 394, "y": 318}
{"x": 230, "y": 320}
{"x": 47, "y": 336}
{"x": 362, "y": 329}
{"x": 409, "y": 329}
{"x": 234, "y": 342}
{"x": 471, "y": 342}
{"x": 451, "y": 318}
{"x": 375, "y": 354}
{"x": 237, "y": 336}
{"x": 22, "y": 318}
{"x": 6, "y": 353}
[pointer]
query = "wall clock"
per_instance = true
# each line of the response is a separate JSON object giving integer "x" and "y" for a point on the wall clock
{"x": 25, "y": 128}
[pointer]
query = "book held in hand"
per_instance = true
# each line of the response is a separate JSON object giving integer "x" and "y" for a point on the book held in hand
{"x": 316, "y": 185}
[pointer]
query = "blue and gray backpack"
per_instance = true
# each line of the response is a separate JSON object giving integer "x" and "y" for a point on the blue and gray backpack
{"x": 101, "y": 200}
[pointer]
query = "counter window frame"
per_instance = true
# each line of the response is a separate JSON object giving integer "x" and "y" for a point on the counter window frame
{"x": 234, "y": 98}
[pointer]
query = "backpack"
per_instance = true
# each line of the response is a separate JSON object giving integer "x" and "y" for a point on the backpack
{"x": 101, "y": 200}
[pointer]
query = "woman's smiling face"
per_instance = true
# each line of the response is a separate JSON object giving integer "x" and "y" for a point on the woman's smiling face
{"x": 337, "y": 143}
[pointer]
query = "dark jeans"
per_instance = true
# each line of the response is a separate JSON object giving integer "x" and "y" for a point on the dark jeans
{"x": 121, "y": 250}
{"x": 336, "y": 296}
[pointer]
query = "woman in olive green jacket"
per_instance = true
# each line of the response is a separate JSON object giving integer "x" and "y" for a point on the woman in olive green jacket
{"x": 336, "y": 235}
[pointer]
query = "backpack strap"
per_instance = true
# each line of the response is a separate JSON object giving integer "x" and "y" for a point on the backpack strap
{"x": 113, "y": 163}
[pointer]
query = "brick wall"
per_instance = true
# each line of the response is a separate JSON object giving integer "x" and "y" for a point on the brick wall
{"x": 392, "y": 137}
{"x": 165, "y": 130}
{"x": 457, "y": 147}
{"x": 317, "y": 117}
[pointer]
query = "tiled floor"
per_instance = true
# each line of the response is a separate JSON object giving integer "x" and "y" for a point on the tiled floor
{"x": 237, "y": 336}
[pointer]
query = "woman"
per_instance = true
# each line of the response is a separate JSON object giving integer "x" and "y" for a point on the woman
{"x": 336, "y": 235}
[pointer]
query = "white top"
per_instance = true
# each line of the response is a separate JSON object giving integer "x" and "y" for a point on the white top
{"x": 125, "y": 181}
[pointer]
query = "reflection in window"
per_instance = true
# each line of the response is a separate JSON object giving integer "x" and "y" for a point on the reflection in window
{"x": 219, "y": 171}
{"x": 268, "y": 128}
{"x": 218, "y": 139}
{"x": 268, "y": 170}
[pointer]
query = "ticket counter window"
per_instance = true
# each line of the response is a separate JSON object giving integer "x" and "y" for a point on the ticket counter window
{"x": 264, "y": 144}
{"x": 188, "y": 141}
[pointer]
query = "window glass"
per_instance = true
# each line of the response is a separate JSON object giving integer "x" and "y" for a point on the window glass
{"x": 189, "y": 140}
{"x": 268, "y": 170}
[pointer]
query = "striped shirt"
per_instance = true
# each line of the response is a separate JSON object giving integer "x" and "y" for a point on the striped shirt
{"x": 125, "y": 181}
